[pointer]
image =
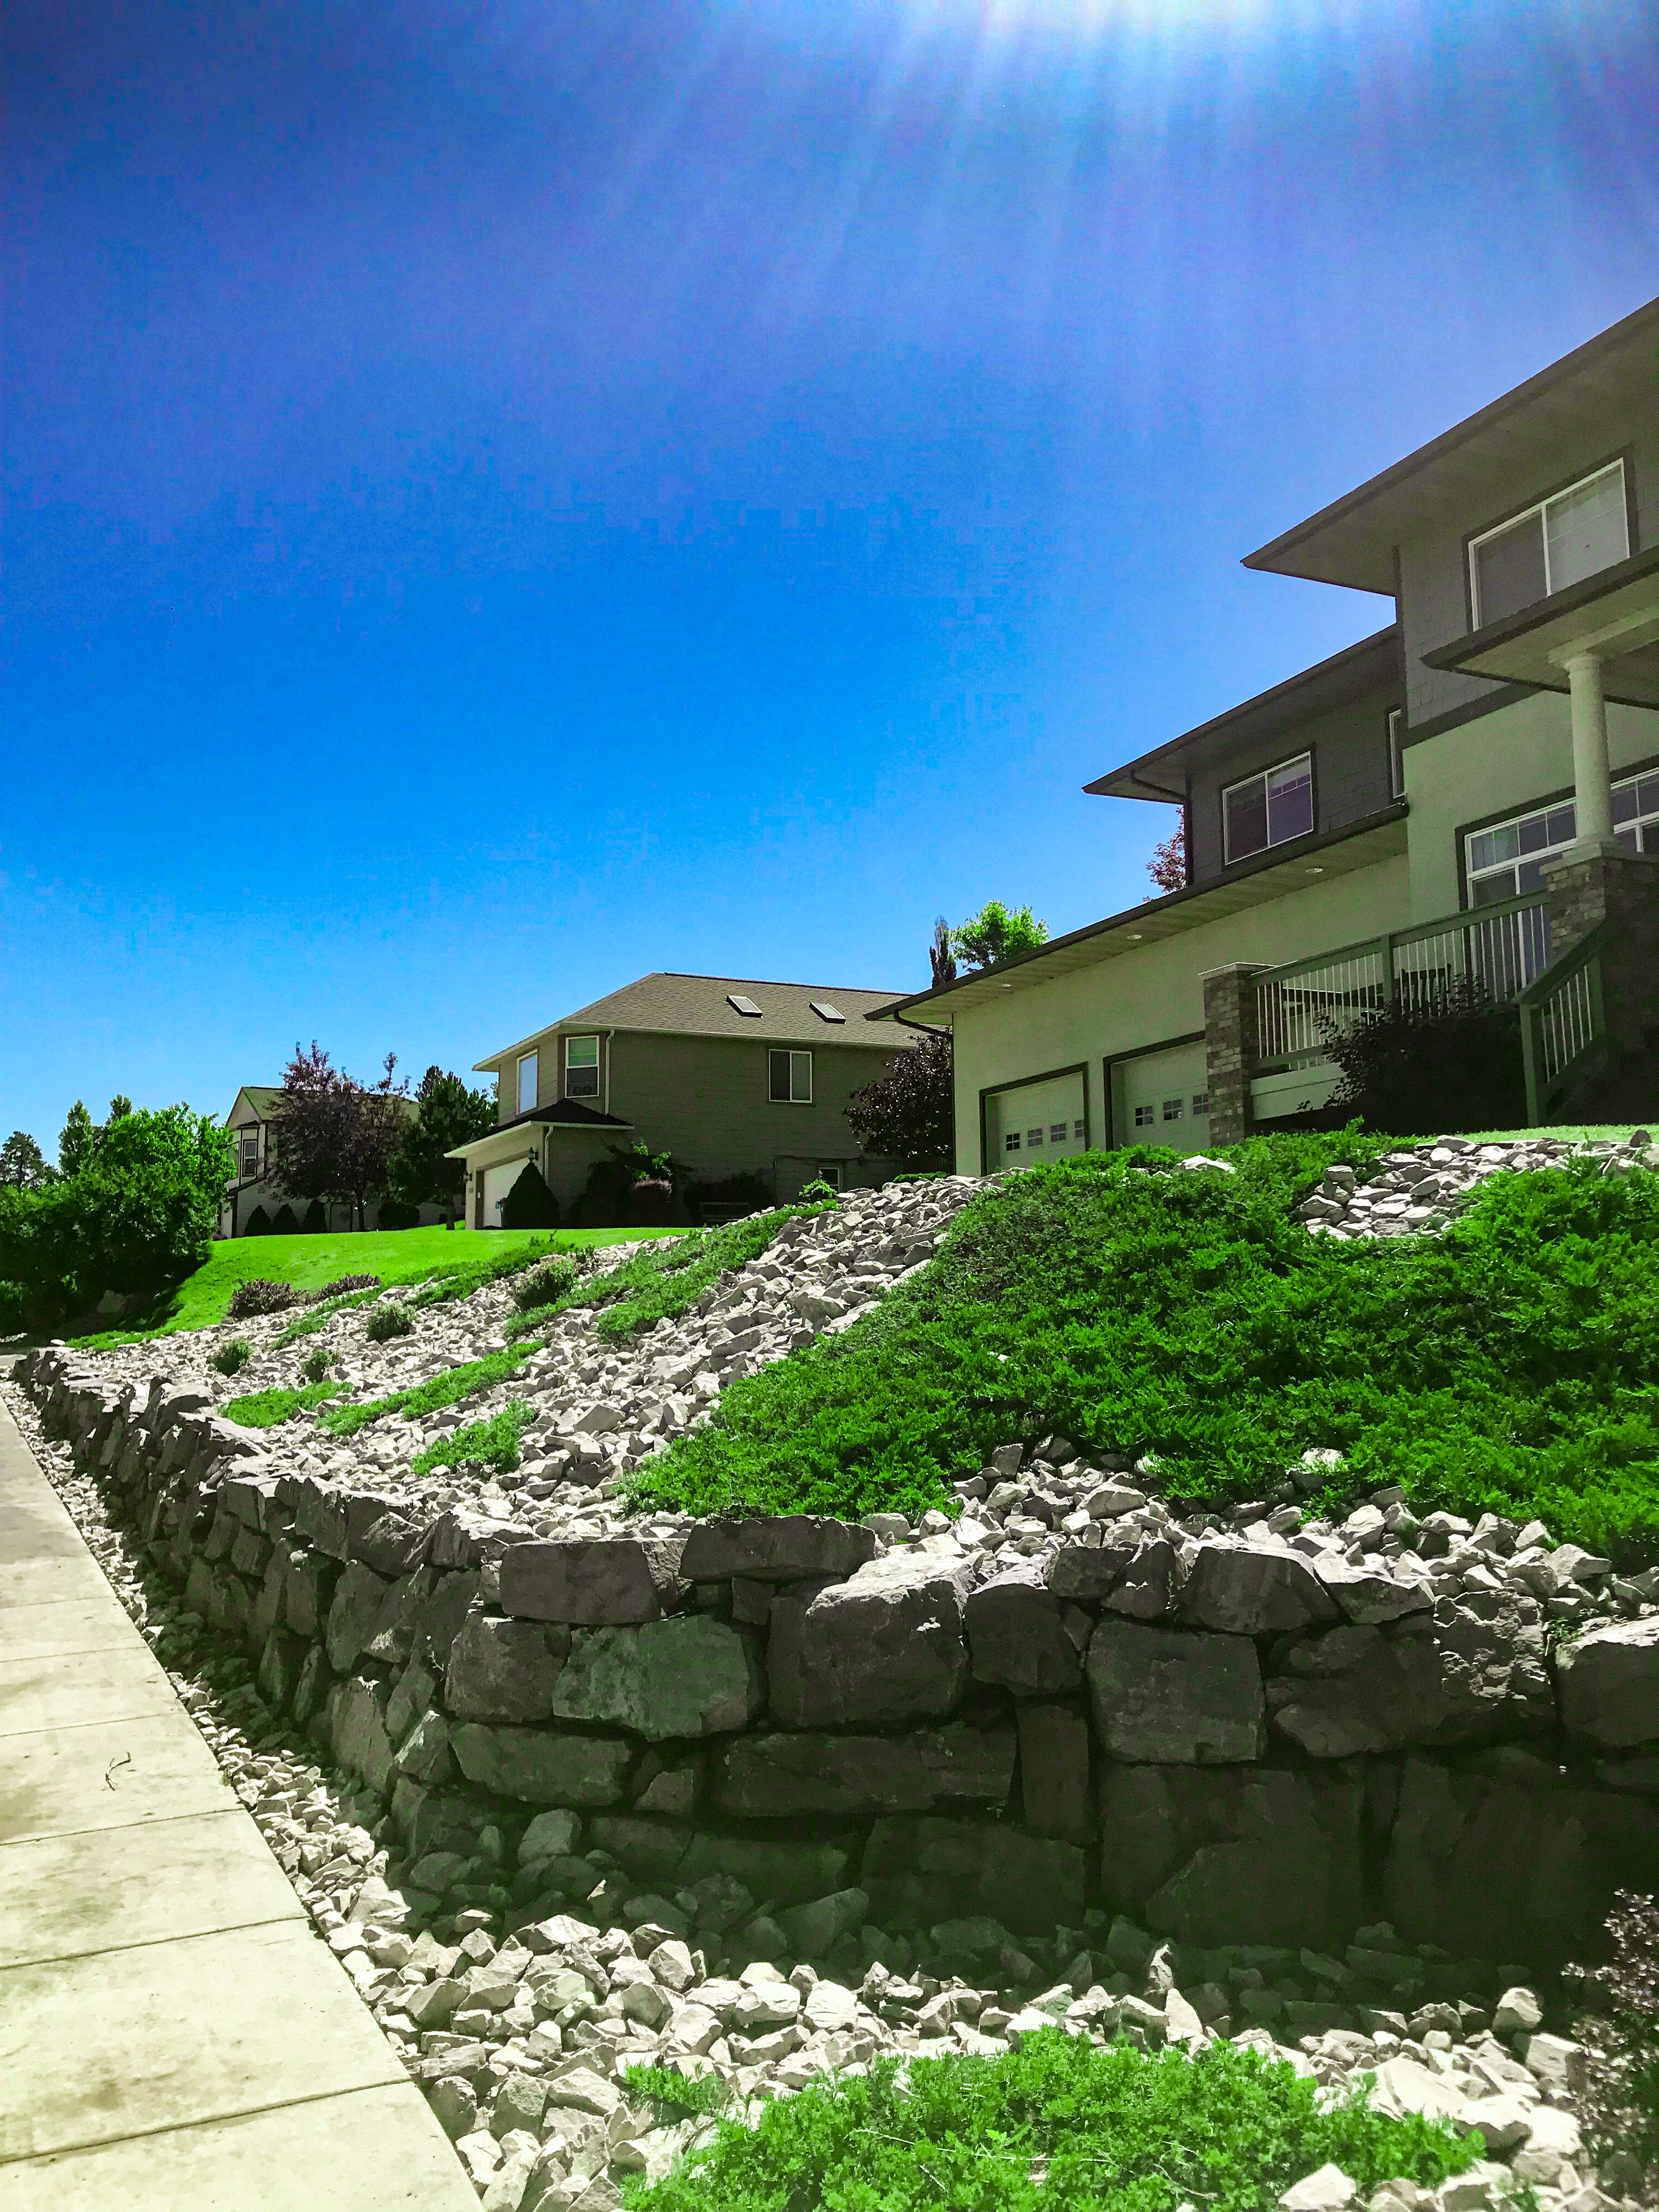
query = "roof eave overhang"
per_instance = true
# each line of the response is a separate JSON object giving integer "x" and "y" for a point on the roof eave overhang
{"x": 1330, "y": 683}
{"x": 1364, "y": 844}
{"x": 1352, "y": 541}
{"x": 1614, "y": 614}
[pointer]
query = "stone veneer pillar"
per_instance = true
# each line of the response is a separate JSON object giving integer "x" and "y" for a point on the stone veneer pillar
{"x": 1231, "y": 1046}
{"x": 1593, "y": 884}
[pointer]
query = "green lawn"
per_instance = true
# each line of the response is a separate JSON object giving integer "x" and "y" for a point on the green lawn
{"x": 395, "y": 1256}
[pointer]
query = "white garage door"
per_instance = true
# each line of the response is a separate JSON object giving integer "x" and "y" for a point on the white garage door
{"x": 1034, "y": 1121}
{"x": 497, "y": 1183}
{"x": 1163, "y": 1098}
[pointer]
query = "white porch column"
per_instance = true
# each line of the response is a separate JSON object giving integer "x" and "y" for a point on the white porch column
{"x": 1592, "y": 778}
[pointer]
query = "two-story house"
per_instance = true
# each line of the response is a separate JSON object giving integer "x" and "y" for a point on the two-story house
{"x": 254, "y": 1199}
{"x": 1473, "y": 791}
{"x": 731, "y": 1077}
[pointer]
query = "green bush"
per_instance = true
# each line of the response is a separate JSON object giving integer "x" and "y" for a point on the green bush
{"x": 318, "y": 1366}
{"x": 316, "y": 1221}
{"x": 1060, "y": 2125}
{"x": 1509, "y": 1366}
{"x": 286, "y": 1223}
{"x": 385, "y": 1322}
{"x": 491, "y": 1443}
{"x": 138, "y": 1220}
{"x": 258, "y": 1223}
{"x": 231, "y": 1357}
{"x": 1471, "y": 1041}
{"x": 449, "y": 1388}
{"x": 542, "y": 1285}
{"x": 664, "y": 1281}
{"x": 398, "y": 1213}
{"x": 530, "y": 1204}
{"x": 267, "y": 1409}
{"x": 259, "y": 1295}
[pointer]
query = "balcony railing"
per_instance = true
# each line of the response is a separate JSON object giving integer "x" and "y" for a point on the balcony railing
{"x": 1563, "y": 1027}
{"x": 1502, "y": 948}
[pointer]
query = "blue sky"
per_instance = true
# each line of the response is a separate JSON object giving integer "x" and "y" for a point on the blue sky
{"x": 503, "y": 498}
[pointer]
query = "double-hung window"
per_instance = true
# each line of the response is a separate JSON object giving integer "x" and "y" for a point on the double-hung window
{"x": 250, "y": 1154}
{"x": 1268, "y": 809}
{"x": 581, "y": 1067}
{"x": 527, "y": 1066}
{"x": 1573, "y": 534}
{"x": 790, "y": 1078}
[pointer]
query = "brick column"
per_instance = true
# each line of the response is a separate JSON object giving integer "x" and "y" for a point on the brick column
{"x": 1589, "y": 885}
{"x": 1231, "y": 1046}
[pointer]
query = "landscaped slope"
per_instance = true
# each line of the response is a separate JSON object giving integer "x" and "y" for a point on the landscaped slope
{"x": 1509, "y": 1364}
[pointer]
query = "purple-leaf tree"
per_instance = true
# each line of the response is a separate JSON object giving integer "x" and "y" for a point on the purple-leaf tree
{"x": 908, "y": 1114}
{"x": 331, "y": 1136}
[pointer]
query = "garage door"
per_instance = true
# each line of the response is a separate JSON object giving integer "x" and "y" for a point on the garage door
{"x": 497, "y": 1183}
{"x": 1034, "y": 1121}
{"x": 1163, "y": 1098}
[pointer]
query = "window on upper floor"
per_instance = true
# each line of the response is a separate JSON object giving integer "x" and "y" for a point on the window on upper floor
{"x": 1396, "y": 751}
{"x": 789, "y": 1077}
{"x": 1573, "y": 534}
{"x": 527, "y": 1068}
{"x": 1268, "y": 809}
{"x": 581, "y": 1067}
{"x": 250, "y": 1153}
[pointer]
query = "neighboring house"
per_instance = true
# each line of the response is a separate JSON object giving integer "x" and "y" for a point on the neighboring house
{"x": 251, "y": 1186}
{"x": 1472, "y": 791}
{"x": 731, "y": 1076}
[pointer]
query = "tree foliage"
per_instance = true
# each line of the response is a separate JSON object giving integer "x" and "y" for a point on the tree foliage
{"x": 23, "y": 1163}
{"x": 77, "y": 1140}
{"x": 1168, "y": 866}
{"x": 940, "y": 958}
{"x": 137, "y": 1219}
{"x": 996, "y": 933}
{"x": 447, "y": 1114}
{"x": 1620, "y": 2031}
{"x": 333, "y": 1137}
{"x": 908, "y": 1114}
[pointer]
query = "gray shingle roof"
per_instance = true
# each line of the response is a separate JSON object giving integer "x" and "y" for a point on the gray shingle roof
{"x": 699, "y": 1005}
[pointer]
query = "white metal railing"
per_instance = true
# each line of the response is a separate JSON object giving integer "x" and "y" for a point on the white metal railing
{"x": 1566, "y": 1023}
{"x": 1502, "y": 948}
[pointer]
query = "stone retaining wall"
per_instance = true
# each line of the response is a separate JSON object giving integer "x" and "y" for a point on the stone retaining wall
{"x": 1240, "y": 1753}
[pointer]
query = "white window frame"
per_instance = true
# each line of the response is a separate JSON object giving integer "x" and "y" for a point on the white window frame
{"x": 1276, "y": 768}
{"x": 1396, "y": 753}
{"x": 248, "y": 1169}
{"x": 582, "y": 1067}
{"x": 532, "y": 1061}
{"x": 1629, "y": 829}
{"x": 796, "y": 1097}
{"x": 1539, "y": 508}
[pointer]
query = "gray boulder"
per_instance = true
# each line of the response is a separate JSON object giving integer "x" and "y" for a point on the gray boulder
{"x": 1494, "y": 1678}
{"x": 541, "y": 1768}
{"x": 593, "y": 1584}
{"x": 1608, "y": 1685}
{"x": 690, "y": 1676}
{"x": 1357, "y": 1690}
{"x": 883, "y": 1649}
{"x": 504, "y": 1670}
{"x": 919, "y": 1868}
{"x": 1017, "y": 1635}
{"x": 1053, "y": 1770}
{"x": 357, "y": 1729}
{"x": 1238, "y": 1590}
{"x": 1176, "y": 1695}
{"x": 791, "y": 1547}
{"x": 1146, "y": 1588}
{"x": 1266, "y": 1855}
{"x": 779, "y": 1776}
{"x": 355, "y": 1615}
{"x": 1369, "y": 1598}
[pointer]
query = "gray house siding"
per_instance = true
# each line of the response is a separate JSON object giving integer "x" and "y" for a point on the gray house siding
{"x": 1434, "y": 596}
{"x": 1349, "y": 749}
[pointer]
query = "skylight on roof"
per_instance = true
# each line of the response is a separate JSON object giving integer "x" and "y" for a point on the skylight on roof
{"x": 742, "y": 1005}
{"x": 825, "y": 1011}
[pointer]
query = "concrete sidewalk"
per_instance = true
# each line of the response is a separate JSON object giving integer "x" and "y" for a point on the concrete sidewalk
{"x": 172, "y": 2033}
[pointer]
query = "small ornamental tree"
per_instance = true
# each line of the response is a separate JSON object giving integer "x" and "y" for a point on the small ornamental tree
{"x": 77, "y": 1140}
{"x": 530, "y": 1204}
{"x": 23, "y": 1163}
{"x": 332, "y": 1136}
{"x": 447, "y": 1115}
{"x": 996, "y": 933}
{"x": 908, "y": 1114}
{"x": 1168, "y": 866}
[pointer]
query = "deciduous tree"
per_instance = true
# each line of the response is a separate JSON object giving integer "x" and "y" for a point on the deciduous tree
{"x": 908, "y": 1114}
{"x": 447, "y": 1114}
{"x": 1168, "y": 866}
{"x": 333, "y": 1137}
{"x": 996, "y": 933}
